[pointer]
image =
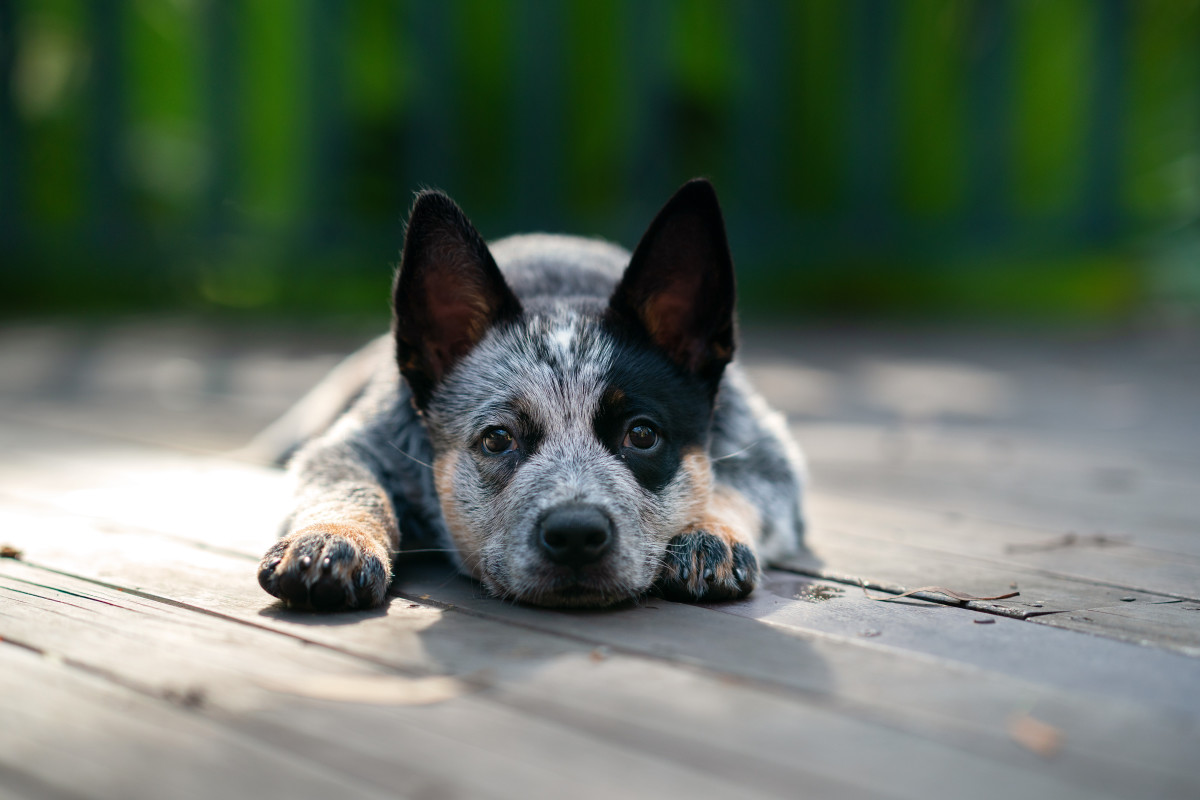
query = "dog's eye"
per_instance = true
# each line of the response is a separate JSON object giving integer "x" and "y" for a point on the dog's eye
{"x": 643, "y": 437}
{"x": 498, "y": 440}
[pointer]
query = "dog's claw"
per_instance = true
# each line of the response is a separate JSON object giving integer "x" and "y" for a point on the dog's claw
{"x": 702, "y": 566}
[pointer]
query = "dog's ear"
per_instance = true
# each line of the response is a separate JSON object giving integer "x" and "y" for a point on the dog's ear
{"x": 679, "y": 287}
{"x": 448, "y": 292}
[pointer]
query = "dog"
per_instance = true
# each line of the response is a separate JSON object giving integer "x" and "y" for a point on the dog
{"x": 560, "y": 416}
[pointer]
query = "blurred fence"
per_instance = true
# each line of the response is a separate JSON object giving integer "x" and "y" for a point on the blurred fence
{"x": 262, "y": 153}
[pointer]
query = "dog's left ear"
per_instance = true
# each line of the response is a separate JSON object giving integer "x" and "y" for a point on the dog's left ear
{"x": 447, "y": 294}
{"x": 679, "y": 287}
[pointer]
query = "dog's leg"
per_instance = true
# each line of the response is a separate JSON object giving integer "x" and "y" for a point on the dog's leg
{"x": 715, "y": 557}
{"x": 748, "y": 493}
{"x": 337, "y": 549}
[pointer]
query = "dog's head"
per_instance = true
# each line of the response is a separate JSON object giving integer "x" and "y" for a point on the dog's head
{"x": 570, "y": 435}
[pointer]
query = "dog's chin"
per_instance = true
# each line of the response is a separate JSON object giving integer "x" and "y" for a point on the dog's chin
{"x": 564, "y": 588}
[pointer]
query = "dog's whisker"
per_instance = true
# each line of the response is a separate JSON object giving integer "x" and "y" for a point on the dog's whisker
{"x": 410, "y": 457}
{"x": 737, "y": 452}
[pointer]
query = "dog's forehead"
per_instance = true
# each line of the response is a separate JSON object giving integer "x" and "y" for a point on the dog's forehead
{"x": 552, "y": 367}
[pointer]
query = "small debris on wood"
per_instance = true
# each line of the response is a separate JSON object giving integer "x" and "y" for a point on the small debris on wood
{"x": 192, "y": 697}
{"x": 985, "y": 621}
{"x": 1035, "y": 735}
{"x": 959, "y": 596}
{"x": 600, "y": 653}
{"x": 8, "y": 551}
{"x": 1067, "y": 540}
{"x": 815, "y": 592}
{"x": 1128, "y": 599}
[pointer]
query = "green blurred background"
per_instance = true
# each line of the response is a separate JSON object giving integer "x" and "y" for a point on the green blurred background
{"x": 945, "y": 159}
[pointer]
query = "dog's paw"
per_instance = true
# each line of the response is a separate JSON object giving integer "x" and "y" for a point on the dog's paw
{"x": 699, "y": 565}
{"x": 324, "y": 570}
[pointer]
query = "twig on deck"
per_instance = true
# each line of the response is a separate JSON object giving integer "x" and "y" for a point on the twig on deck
{"x": 959, "y": 596}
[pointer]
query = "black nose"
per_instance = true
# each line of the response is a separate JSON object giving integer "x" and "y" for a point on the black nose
{"x": 575, "y": 535}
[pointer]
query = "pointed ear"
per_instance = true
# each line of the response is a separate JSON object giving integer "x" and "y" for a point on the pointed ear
{"x": 447, "y": 294}
{"x": 679, "y": 286}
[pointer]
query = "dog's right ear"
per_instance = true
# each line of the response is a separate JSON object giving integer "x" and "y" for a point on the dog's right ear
{"x": 448, "y": 292}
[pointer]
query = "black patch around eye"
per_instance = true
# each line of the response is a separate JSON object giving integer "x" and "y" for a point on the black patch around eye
{"x": 646, "y": 388}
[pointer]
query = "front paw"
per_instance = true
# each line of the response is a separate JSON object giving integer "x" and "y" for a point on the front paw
{"x": 702, "y": 566}
{"x": 323, "y": 569}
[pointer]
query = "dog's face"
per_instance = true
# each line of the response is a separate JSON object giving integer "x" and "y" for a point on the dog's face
{"x": 570, "y": 438}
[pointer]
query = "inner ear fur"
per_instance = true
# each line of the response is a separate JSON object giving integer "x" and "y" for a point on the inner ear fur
{"x": 679, "y": 287}
{"x": 448, "y": 292}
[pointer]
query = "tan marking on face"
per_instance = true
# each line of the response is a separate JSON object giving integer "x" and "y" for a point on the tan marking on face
{"x": 466, "y": 540}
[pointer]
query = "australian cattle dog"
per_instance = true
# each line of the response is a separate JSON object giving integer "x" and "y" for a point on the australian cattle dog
{"x": 559, "y": 415}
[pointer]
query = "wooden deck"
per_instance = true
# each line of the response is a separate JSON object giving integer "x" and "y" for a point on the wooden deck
{"x": 140, "y": 659}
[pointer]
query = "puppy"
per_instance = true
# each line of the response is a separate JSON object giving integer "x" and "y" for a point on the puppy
{"x": 562, "y": 417}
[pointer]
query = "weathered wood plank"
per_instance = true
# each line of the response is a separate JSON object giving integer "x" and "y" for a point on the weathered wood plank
{"x": 589, "y": 695}
{"x": 664, "y": 713}
{"x": 169, "y": 382}
{"x": 83, "y": 736}
{"x": 1129, "y": 396}
{"x": 901, "y": 681}
{"x": 1157, "y": 620}
{"x": 901, "y": 548}
{"x": 16, "y": 785}
{"x": 1102, "y": 560}
{"x": 1010, "y": 473}
{"x": 274, "y": 688}
{"x": 926, "y": 696}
